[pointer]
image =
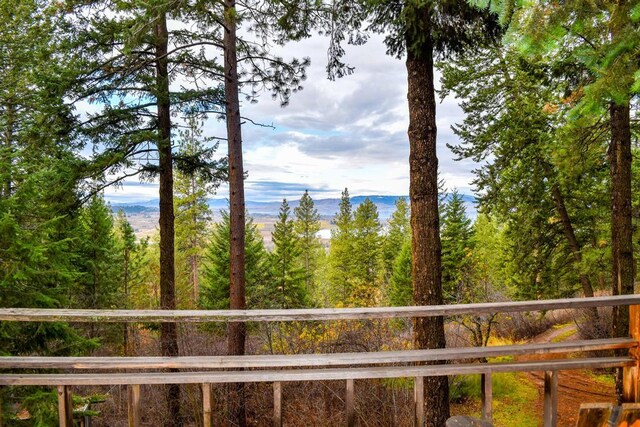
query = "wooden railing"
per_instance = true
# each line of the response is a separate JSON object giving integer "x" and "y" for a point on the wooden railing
{"x": 208, "y": 370}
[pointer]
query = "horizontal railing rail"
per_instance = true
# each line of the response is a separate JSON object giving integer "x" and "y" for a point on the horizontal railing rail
{"x": 313, "y": 360}
{"x": 310, "y": 314}
{"x": 127, "y": 378}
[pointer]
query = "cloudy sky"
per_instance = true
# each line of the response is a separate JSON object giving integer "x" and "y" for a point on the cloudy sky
{"x": 333, "y": 134}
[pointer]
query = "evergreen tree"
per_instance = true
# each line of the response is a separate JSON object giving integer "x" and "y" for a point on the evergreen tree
{"x": 307, "y": 224}
{"x": 542, "y": 170}
{"x": 367, "y": 252}
{"x": 132, "y": 266}
{"x": 456, "y": 235}
{"x": 126, "y": 240}
{"x": 192, "y": 215}
{"x": 128, "y": 74}
{"x": 604, "y": 38}
{"x": 341, "y": 251}
{"x": 489, "y": 258}
{"x": 38, "y": 188}
{"x": 215, "y": 289}
{"x": 401, "y": 292}
{"x": 98, "y": 285}
{"x": 421, "y": 30}
{"x": 288, "y": 289}
{"x": 398, "y": 231}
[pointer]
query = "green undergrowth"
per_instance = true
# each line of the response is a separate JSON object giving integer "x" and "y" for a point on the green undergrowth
{"x": 605, "y": 378}
{"x": 513, "y": 395}
{"x": 561, "y": 325}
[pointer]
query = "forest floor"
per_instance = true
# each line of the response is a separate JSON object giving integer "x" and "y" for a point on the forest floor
{"x": 574, "y": 387}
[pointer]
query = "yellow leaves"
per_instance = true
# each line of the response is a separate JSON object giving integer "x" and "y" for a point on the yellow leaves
{"x": 337, "y": 337}
{"x": 573, "y": 97}
{"x": 550, "y": 108}
{"x": 553, "y": 220}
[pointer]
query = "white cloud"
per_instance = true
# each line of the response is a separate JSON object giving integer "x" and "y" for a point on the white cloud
{"x": 348, "y": 133}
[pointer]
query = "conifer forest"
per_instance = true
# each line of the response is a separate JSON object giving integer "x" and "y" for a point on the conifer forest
{"x": 97, "y": 93}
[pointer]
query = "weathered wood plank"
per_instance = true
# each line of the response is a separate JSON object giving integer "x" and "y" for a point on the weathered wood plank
{"x": 207, "y": 405}
{"x": 629, "y": 415}
{"x": 68, "y": 315}
{"x": 418, "y": 401}
{"x": 631, "y": 375}
{"x": 310, "y": 374}
{"x": 595, "y": 415}
{"x": 350, "y": 403}
{"x": 277, "y": 404}
{"x": 309, "y": 360}
{"x": 487, "y": 396}
{"x": 550, "y": 398}
{"x": 65, "y": 407}
{"x": 467, "y": 421}
{"x": 133, "y": 392}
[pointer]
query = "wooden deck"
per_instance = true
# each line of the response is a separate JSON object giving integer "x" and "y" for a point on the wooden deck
{"x": 416, "y": 364}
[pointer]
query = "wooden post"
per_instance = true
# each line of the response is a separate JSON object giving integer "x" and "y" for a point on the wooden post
{"x": 277, "y": 404}
{"x": 134, "y": 405}
{"x": 550, "y": 398}
{"x": 630, "y": 375}
{"x": 207, "y": 405}
{"x": 349, "y": 400}
{"x": 487, "y": 396}
{"x": 418, "y": 400}
{"x": 65, "y": 406}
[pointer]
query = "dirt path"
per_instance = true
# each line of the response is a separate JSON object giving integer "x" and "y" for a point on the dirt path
{"x": 574, "y": 387}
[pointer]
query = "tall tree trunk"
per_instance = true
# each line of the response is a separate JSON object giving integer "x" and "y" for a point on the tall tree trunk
{"x": 237, "y": 330}
{"x": 621, "y": 229}
{"x": 193, "y": 259}
{"x": 168, "y": 331}
{"x": 570, "y": 235}
{"x": 6, "y": 160}
{"x": 125, "y": 325}
{"x": 426, "y": 249}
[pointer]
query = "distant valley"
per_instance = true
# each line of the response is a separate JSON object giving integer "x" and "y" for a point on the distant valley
{"x": 143, "y": 215}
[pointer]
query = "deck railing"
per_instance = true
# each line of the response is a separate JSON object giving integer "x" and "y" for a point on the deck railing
{"x": 319, "y": 367}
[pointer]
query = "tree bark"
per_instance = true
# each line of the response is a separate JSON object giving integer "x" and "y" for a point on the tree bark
{"x": 237, "y": 330}
{"x": 570, "y": 235}
{"x": 621, "y": 229}
{"x": 168, "y": 331}
{"x": 193, "y": 259}
{"x": 428, "y": 332}
{"x": 125, "y": 325}
{"x": 6, "y": 160}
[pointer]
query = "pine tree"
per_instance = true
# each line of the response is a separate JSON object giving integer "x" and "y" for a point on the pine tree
{"x": 421, "y": 31}
{"x": 193, "y": 215}
{"x": 38, "y": 186}
{"x": 288, "y": 289}
{"x": 215, "y": 289}
{"x": 307, "y": 224}
{"x": 367, "y": 251}
{"x": 604, "y": 38}
{"x": 398, "y": 232}
{"x": 542, "y": 166}
{"x": 456, "y": 246}
{"x": 400, "y": 290}
{"x": 132, "y": 262}
{"x": 98, "y": 285}
{"x": 341, "y": 250}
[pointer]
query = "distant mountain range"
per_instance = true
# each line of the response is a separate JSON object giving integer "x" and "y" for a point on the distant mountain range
{"x": 327, "y": 208}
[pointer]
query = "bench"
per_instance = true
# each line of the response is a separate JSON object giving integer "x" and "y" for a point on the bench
{"x": 207, "y": 370}
{"x": 608, "y": 415}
